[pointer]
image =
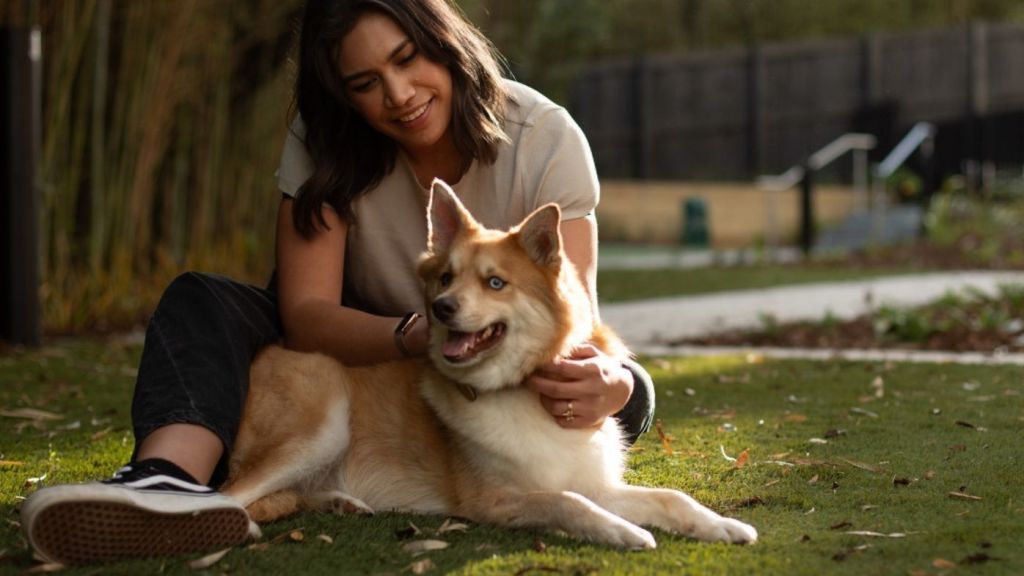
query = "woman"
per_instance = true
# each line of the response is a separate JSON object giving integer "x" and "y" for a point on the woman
{"x": 390, "y": 95}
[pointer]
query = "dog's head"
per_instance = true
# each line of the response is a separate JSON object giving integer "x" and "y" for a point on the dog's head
{"x": 500, "y": 303}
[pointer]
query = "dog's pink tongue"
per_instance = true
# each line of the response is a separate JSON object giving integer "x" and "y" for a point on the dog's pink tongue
{"x": 457, "y": 344}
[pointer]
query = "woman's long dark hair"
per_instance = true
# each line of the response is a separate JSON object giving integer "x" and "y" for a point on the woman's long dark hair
{"x": 350, "y": 157}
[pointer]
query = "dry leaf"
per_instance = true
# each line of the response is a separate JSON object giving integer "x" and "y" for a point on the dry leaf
{"x": 741, "y": 460}
{"x": 793, "y": 417}
{"x": 423, "y": 546}
{"x": 209, "y": 560}
{"x": 870, "y": 534}
{"x": 862, "y": 465}
{"x": 879, "y": 387}
{"x": 31, "y": 414}
{"x": 296, "y": 536}
{"x": 962, "y": 496}
{"x": 259, "y": 546}
{"x": 450, "y": 525}
{"x": 539, "y": 545}
{"x": 421, "y": 566}
{"x": 943, "y": 564}
{"x": 11, "y": 463}
{"x": 813, "y": 480}
{"x": 666, "y": 439}
{"x": 841, "y": 525}
{"x": 817, "y": 441}
{"x": 863, "y": 412}
{"x": 101, "y": 434}
{"x": 35, "y": 480}
{"x": 326, "y": 538}
{"x": 724, "y": 455}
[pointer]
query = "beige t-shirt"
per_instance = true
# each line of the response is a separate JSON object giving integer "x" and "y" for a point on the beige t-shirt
{"x": 547, "y": 160}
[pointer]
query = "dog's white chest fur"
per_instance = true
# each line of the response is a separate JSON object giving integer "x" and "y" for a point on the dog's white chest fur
{"x": 512, "y": 440}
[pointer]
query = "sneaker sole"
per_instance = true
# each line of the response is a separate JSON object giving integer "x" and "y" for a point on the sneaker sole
{"x": 84, "y": 532}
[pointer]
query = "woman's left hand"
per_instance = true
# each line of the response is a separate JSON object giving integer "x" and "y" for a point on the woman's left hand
{"x": 580, "y": 391}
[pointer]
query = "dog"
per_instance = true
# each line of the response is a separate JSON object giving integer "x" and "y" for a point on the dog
{"x": 457, "y": 433}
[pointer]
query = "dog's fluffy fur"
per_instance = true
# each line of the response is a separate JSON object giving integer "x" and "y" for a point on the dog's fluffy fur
{"x": 406, "y": 436}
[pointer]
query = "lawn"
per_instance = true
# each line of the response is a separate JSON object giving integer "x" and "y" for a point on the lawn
{"x": 621, "y": 285}
{"x": 844, "y": 468}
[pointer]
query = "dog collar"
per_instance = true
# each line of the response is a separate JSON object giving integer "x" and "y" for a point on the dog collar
{"x": 468, "y": 391}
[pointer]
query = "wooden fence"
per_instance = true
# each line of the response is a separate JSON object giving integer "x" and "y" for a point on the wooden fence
{"x": 733, "y": 114}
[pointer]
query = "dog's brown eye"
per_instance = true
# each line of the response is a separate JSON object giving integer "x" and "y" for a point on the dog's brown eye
{"x": 446, "y": 279}
{"x": 495, "y": 283}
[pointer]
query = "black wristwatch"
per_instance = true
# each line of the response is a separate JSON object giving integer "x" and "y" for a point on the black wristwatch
{"x": 404, "y": 327}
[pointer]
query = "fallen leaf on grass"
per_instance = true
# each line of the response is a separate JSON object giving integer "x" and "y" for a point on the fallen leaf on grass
{"x": 901, "y": 481}
{"x": 259, "y": 546}
{"x": 420, "y": 566}
{"x": 35, "y": 480}
{"x": 813, "y": 480}
{"x": 31, "y": 414}
{"x": 863, "y": 412}
{"x": 841, "y": 525}
{"x": 793, "y": 417}
{"x": 208, "y": 560}
{"x": 11, "y": 463}
{"x": 101, "y": 434}
{"x": 871, "y": 534}
{"x": 325, "y": 538}
{"x": 296, "y": 536}
{"x": 965, "y": 424}
{"x": 817, "y": 441}
{"x": 963, "y": 496}
{"x": 406, "y": 533}
{"x": 843, "y": 554}
{"x": 943, "y": 564}
{"x": 741, "y": 460}
{"x": 666, "y": 439}
{"x": 423, "y": 546}
{"x": 539, "y": 545}
{"x": 862, "y": 465}
{"x": 450, "y": 525}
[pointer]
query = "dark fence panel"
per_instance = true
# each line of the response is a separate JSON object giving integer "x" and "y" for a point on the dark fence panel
{"x": 737, "y": 113}
{"x": 19, "y": 253}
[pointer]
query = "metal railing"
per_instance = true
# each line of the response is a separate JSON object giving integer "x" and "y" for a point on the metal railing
{"x": 858, "y": 144}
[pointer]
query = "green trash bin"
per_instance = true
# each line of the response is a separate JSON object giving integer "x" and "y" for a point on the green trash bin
{"x": 696, "y": 233}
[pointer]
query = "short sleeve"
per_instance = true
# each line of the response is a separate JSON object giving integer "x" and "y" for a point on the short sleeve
{"x": 296, "y": 165}
{"x": 561, "y": 166}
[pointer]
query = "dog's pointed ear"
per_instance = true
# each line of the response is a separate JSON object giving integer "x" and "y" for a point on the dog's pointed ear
{"x": 447, "y": 217}
{"x": 539, "y": 235}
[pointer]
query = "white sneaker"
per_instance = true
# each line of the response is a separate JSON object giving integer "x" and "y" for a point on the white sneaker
{"x": 140, "y": 512}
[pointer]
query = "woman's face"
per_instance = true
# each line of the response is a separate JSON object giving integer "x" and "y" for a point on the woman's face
{"x": 398, "y": 90}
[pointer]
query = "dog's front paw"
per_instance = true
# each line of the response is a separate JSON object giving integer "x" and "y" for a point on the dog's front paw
{"x": 722, "y": 529}
{"x": 627, "y": 536}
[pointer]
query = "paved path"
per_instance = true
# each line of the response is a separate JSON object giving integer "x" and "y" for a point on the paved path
{"x": 648, "y": 324}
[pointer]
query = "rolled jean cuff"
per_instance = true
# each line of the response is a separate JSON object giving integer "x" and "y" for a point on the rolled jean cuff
{"x": 637, "y": 415}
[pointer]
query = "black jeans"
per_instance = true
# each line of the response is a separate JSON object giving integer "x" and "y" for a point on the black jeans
{"x": 200, "y": 341}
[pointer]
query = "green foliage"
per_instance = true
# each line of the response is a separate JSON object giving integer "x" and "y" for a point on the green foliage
{"x": 163, "y": 122}
{"x": 898, "y": 439}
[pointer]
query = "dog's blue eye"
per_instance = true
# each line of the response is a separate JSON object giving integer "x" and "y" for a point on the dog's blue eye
{"x": 495, "y": 283}
{"x": 446, "y": 279}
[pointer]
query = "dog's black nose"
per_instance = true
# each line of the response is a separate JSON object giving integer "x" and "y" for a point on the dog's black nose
{"x": 445, "y": 308}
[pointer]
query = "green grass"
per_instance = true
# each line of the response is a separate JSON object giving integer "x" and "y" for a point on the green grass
{"x": 936, "y": 429}
{"x": 622, "y": 285}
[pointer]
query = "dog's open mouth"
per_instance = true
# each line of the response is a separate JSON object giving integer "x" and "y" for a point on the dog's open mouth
{"x": 464, "y": 346}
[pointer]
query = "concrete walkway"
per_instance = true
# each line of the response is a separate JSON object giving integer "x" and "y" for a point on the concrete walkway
{"x": 648, "y": 325}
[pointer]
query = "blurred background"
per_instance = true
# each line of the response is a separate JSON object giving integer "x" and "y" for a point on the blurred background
{"x": 161, "y": 122}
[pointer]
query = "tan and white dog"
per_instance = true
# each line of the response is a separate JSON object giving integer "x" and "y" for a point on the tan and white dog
{"x": 458, "y": 434}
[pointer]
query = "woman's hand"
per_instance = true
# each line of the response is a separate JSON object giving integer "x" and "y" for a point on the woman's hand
{"x": 582, "y": 390}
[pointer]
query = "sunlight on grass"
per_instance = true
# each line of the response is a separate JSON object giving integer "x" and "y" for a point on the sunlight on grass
{"x": 847, "y": 468}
